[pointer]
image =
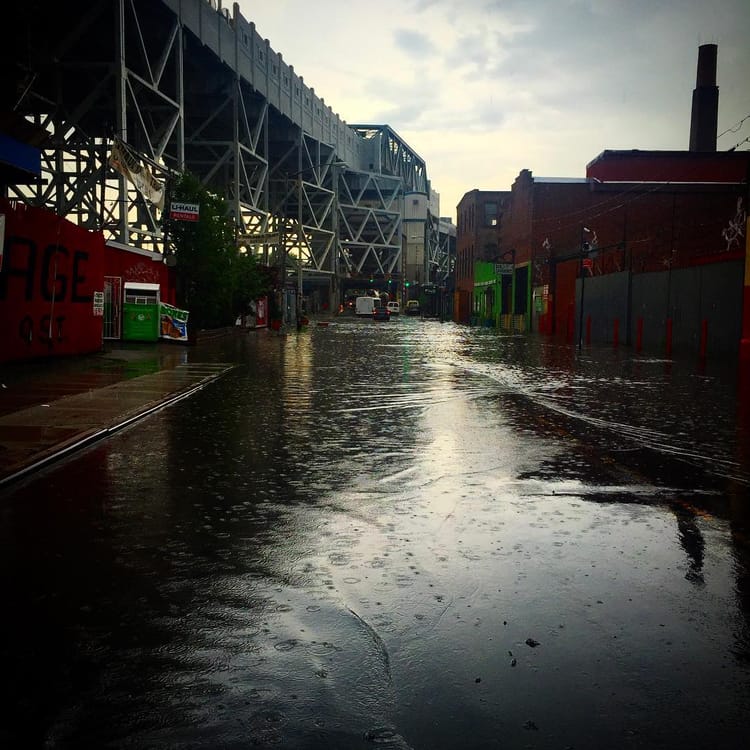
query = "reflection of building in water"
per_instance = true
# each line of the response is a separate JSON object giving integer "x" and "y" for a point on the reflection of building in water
{"x": 741, "y": 551}
{"x": 297, "y": 382}
{"x": 692, "y": 541}
{"x": 739, "y": 494}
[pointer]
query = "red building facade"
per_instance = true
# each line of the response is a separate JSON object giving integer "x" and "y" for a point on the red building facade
{"x": 54, "y": 278}
{"x": 636, "y": 212}
{"x": 480, "y": 218}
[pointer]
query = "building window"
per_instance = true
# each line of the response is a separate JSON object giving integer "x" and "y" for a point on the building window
{"x": 490, "y": 214}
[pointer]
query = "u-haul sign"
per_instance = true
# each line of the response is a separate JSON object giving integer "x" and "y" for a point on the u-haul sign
{"x": 184, "y": 211}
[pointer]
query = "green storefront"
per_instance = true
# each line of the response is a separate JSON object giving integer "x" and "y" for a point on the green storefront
{"x": 501, "y": 295}
{"x": 486, "y": 305}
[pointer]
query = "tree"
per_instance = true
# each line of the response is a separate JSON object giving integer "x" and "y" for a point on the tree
{"x": 251, "y": 282}
{"x": 214, "y": 281}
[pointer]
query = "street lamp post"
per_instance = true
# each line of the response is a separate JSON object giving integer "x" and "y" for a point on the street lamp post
{"x": 584, "y": 248}
{"x": 512, "y": 301}
{"x": 300, "y": 234}
{"x": 334, "y": 298}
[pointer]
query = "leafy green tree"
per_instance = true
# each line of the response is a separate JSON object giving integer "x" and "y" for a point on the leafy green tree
{"x": 251, "y": 281}
{"x": 214, "y": 281}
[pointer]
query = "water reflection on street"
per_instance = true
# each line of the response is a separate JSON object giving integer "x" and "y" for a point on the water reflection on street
{"x": 405, "y": 535}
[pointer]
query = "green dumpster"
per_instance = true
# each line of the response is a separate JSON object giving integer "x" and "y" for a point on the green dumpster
{"x": 140, "y": 312}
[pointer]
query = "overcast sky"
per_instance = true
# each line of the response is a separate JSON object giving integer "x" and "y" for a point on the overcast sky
{"x": 482, "y": 89}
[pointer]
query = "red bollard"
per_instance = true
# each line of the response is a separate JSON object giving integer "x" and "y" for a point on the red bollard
{"x": 704, "y": 339}
{"x": 669, "y": 337}
{"x": 639, "y": 334}
{"x": 571, "y": 323}
{"x": 616, "y": 334}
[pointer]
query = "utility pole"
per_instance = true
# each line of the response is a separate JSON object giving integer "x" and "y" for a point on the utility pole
{"x": 300, "y": 235}
{"x": 581, "y": 270}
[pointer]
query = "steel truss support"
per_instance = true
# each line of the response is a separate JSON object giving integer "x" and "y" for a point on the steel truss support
{"x": 440, "y": 258}
{"x": 302, "y": 206}
{"x": 154, "y": 76}
{"x": 370, "y": 223}
{"x": 437, "y": 252}
{"x": 328, "y": 219}
{"x": 115, "y": 74}
{"x": 395, "y": 157}
{"x": 149, "y": 112}
{"x": 128, "y": 70}
{"x": 391, "y": 155}
{"x": 226, "y": 145}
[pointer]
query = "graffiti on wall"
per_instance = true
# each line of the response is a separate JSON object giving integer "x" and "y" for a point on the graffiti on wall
{"x": 734, "y": 231}
{"x": 143, "y": 271}
{"x": 51, "y": 271}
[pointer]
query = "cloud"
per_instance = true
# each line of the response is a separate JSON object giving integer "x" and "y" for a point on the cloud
{"x": 484, "y": 88}
{"x": 413, "y": 43}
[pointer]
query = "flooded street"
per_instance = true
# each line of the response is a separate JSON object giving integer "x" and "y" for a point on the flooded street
{"x": 398, "y": 535}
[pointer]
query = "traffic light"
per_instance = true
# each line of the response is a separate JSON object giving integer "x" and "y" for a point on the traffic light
{"x": 407, "y": 283}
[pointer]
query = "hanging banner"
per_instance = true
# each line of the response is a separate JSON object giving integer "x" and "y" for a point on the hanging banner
{"x": 125, "y": 161}
{"x": 173, "y": 322}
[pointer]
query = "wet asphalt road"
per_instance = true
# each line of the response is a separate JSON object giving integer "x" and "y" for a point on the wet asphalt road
{"x": 404, "y": 535}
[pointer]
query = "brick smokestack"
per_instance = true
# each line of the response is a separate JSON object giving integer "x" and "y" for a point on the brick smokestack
{"x": 705, "y": 113}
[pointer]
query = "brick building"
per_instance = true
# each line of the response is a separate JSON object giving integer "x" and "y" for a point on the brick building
{"x": 650, "y": 247}
{"x": 635, "y": 213}
{"x": 480, "y": 217}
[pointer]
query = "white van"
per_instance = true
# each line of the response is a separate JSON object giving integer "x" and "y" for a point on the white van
{"x": 365, "y": 305}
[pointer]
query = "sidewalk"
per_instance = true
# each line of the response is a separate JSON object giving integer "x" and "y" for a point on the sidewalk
{"x": 50, "y": 408}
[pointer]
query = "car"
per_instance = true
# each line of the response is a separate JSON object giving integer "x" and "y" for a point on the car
{"x": 394, "y": 308}
{"x": 412, "y": 307}
{"x": 381, "y": 313}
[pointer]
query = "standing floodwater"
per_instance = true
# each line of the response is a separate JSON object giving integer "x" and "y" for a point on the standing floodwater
{"x": 406, "y": 535}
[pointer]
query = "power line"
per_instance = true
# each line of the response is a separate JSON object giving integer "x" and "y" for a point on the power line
{"x": 734, "y": 127}
{"x": 635, "y": 191}
{"x": 736, "y": 145}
